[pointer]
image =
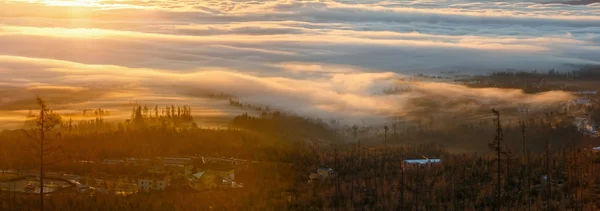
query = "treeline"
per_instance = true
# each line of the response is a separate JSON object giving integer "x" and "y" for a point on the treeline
{"x": 169, "y": 114}
{"x": 140, "y": 117}
{"x": 585, "y": 73}
{"x": 257, "y": 107}
{"x": 460, "y": 134}
{"x": 287, "y": 126}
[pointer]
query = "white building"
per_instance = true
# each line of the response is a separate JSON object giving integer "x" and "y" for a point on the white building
{"x": 422, "y": 163}
{"x": 321, "y": 173}
{"x": 148, "y": 182}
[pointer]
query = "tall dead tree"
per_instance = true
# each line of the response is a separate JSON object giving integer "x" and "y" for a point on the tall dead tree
{"x": 394, "y": 125}
{"x": 352, "y": 172}
{"x": 383, "y": 188}
{"x": 44, "y": 123}
{"x": 526, "y": 159}
{"x": 337, "y": 178}
{"x": 496, "y": 146}
{"x": 548, "y": 176}
{"x": 402, "y": 183}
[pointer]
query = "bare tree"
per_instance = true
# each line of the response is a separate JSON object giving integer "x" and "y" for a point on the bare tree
{"x": 548, "y": 176}
{"x": 337, "y": 178}
{"x": 496, "y": 146}
{"x": 402, "y": 183}
{"x": 384, "y": 187}
{"x": 70, "y": 125}
{"x": 355, "y": 133}
{"x": 526, "y": 159}
{"x": 44, "y": 123}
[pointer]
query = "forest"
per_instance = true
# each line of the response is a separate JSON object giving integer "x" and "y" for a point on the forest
{"x": 535, "y": 163}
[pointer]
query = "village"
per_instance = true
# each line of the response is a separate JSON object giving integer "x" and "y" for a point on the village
{"x": 161, "y": 174}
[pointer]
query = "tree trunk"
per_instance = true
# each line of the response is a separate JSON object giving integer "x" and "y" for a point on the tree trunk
{"x": 42, "y": 128}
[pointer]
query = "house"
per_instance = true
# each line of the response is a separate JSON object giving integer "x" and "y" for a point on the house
{"x": 321, "y": 173}
{"x": 180, "y": 185}
{"x": 150, "y": 181}
{"x": 422, "y": 163}
{"x": 206, "y": 181}
{"x": 177, "y": 171}
{"x": 222, "y": 170}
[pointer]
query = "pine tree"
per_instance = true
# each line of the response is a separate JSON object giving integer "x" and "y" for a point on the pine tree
{"x": 45, "y": 123}
{"x": 173, "y": 112}
{"x": 156, "y": 111}
{"x": 138, "y": 117}
{"x": 146, "y": 112}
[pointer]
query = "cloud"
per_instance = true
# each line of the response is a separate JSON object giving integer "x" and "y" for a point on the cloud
{"x": 347, "y": 96}
{"x": 319, "y": 58}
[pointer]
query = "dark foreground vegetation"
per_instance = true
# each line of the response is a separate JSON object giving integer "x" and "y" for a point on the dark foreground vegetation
{"x": 536, "y": 162}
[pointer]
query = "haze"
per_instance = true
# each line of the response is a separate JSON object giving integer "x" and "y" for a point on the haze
{"x": 327, "y": 59}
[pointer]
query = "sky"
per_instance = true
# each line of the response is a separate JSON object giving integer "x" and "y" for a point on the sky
{"x": 318, "y": 58}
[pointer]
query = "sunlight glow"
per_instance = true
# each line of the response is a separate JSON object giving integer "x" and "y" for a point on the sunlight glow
{"x": 74, "y": 3}
{"x": 61, "y": 32}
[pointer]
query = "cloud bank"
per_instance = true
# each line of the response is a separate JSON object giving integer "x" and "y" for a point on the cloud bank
{"x": 318, "y": 58}
{"x": 352, "y": 96}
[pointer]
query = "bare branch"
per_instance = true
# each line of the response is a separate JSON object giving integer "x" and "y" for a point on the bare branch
{"x": 30, "y": 136}
{"x": 48, "y": 151}
{"x": 57, "y": 161}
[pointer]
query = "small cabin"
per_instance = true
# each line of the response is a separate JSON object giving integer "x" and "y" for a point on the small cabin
{"x": 422, "y": 163}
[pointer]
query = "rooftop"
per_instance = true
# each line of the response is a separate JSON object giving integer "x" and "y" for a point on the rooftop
{"x": 422, "y": 161}
{"x": 199, "y": 175}
{"x": 147, "y": 175}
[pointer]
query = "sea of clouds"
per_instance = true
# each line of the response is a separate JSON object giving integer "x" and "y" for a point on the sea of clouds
{"x": 321, "y": 58}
